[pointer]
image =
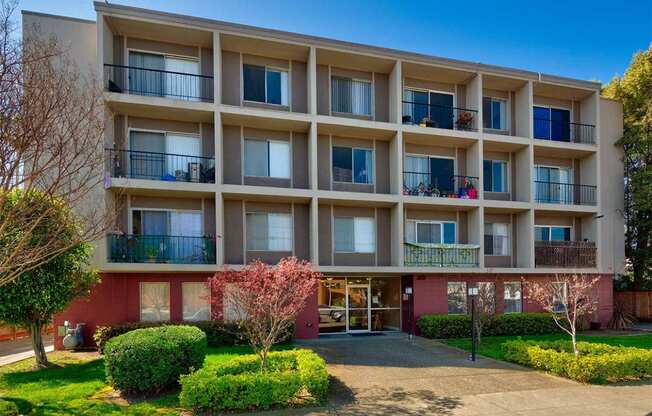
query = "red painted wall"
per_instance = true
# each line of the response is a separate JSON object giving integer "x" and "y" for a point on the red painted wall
{"x": 307, "y": 324}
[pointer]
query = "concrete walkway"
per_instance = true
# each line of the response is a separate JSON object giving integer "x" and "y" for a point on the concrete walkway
{"x": 389, "y": 375}
{"x": 20, "y": 349}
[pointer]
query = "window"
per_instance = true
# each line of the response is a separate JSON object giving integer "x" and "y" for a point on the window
{"x": 552, "y": 124}
{"x": 351, "y": 96}
{"x": 494, "y": 113}
{"x": 163, "y": 76}
{"x": 430, "y": 232}
{"x": 352, "y": 165}
{"x": 355, "y": 235}
{"x": 496, "y": 239}
{"x": 553, "y": 185}
{"x": 435, "y": 109}
{"x": 486, "y": 297}
{"x": 512, "y": 297}
{"x": 166, "y": 156}
{"x": 552, "y": 233}
{"x": 166, "y": 234}
{"x": 230, "y": 309}
{"x": 267, "y": 158}
{"x": 456, "y": 292}
{"x": 195, "y": 301}
{"x": 269, "y": 231}
{"x": 154, "y": 302}
{"x": 495, "y": 176}
{"x": 265, "y": 85}
{"x": 559, "y": 296}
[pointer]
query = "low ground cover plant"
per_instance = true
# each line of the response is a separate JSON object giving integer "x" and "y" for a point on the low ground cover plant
{"x": 8, "y": 408}
{"x": 148, "y": 360}
{"x": 240, "y": 384}
{"x": 594, "y": 363}
{"x": 459, "y": 326}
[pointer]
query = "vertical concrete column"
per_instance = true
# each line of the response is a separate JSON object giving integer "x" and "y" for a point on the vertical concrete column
{"x": 397, "y": 234}
{"x": 523, "y": 110}
{"x": 396, "y": 94}
{"x": 474, "y": 98}
{"x": 525, "y": 238}
{"x": 314, "y": 231}
{"x": 100, "y": 47}
{"x": 523, "y": 172}
{"x": 219, "y": 148}
{"x": 590, "y": 173}
{"x": 476, "y": 231}
{"x": 396, "y": 164}
{"x": 474, "y": 157}
{"x": 312, "y": 155}
{"x": 217, "y": 68}
{"x": 312, "y": 81}
{"x": 219, "y": 228}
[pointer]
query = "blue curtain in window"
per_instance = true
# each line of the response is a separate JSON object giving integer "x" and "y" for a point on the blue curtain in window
{"x": 497, "y": 177}
{"x": 487, "y": 171}
{"x": 560, "y": 234}
{"x": 542, "y": 233}
{"x": 274, "y": 87}
{"x": 254, "y": 83}
{"x": 560, "y": 125}
{"x": 449, "y": 233}
{"x": 541, "y": 123}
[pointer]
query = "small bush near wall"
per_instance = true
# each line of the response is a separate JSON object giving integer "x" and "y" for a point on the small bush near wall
{"x": 239, "y": 384}
{"x": 596, "y": 363}
{"x": 148, "y": 360}
{"x": 459, "y": 326}
{"x": 218, "y": 333}
{"x": 8, "y": 408}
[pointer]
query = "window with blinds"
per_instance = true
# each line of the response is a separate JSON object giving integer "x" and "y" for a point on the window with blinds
{"x": 351, "y": 96}
{"x": 269, "y": 231}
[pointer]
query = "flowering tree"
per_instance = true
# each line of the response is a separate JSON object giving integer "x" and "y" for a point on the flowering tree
{"x": 568, "y": 298}
{"x": 264, "y": 300}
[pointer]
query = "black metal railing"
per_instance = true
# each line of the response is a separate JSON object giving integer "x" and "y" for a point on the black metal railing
{"x": 560, "y": 131}
{"x": 441, "y": 255}
{"x": 136, "y": 164}
{"x": 443, "y": 117}
{"x": 158, "y": 83}
{"x": 433, "y": 185}
{"x": 564, "y": 193}
{"x": 130, "y": 248}
{"x": 565, "y": 253}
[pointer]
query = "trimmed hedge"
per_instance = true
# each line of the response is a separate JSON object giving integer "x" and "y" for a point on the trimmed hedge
{"x": 8, "y": 408}
{"x": 150, "y": 359}
{"x": 596, "y": 363}
{"x": 459, "y": 326}
{"x": 218, "y": 333}
{"x": 239, "y": 384}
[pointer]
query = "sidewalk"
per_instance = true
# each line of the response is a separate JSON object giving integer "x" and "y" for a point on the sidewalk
{"x": 20, "y": 349}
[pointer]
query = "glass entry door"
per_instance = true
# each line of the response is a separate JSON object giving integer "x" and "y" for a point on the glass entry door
{"x": 358, "y": 307}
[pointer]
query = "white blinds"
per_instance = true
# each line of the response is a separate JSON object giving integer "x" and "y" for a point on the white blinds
{"x": 364, "y": 235}
{"x": 178, "y": 85}
{"x": 176, "y": 145}
{"x": 279, "y": 159}
{"x": 351, "y": 96}
{"x": 279, "y": 232}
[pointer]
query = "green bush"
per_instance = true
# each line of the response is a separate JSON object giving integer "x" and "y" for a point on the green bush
{"x": 150, "y": 359}
{"x": 239, "y": 384}
{"x": 459, "y": 326}
{"x": 8, "y": 408}
{"x": 218, "y": 333}
{"x": 596, "y": 363}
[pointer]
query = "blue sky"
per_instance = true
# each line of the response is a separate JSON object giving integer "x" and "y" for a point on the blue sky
{"x": 585, "y": 39}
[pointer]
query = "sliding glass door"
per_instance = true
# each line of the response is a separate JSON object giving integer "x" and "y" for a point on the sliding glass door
{"x": 552, "y": 124}
{"x": 441, "y": 110}
{"x": 552, "y": 185}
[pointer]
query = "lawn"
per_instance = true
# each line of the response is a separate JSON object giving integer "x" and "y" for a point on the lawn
{"x": 77, "y": 386}
{"x": 491, "y": 346}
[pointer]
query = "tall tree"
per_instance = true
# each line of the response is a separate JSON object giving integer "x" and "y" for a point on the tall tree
{"x": 634, "y": 90}
{"x": 33, "y": 298}
{"x": 51, "y": 140}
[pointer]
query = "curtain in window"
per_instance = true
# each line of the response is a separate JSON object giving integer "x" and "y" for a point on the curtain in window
{"x": 364, "y": 235}
{"x": 499, "y": 175}
{"x": 350, "y": 96}
{"x": 154, "y": 223}
{"x": 277, "y": 87}
{"x": 279, "y": 232}
{"x": 361, "y": 97}
{"x": 441, "y": 110}
{"x": 541, "y": 123}
{"x": 363, "y": 166}
{"x": 560, "y": 125}
{"x": 449, "y": 233}
{"x": 344, "y": 239}
{"x": 500, "y": 234}
{"x": 185, "y": 224}
{"x": 179, "y": 166}
{"x": 279, "y": 159}
{"x": 253, "y": 78}
{"x": 149, "y": 165}
{"x": 256, "y": 158}
{"x": 145, "y": 76}
{"x": 541, "y": 233}
{"x": 257, "y": 231}
{"x": 181, "y": 86}
{"x": 498, "y": 115}
{"x": 512, "y": 297}
{"x": 195, "y": 301}
{"x": 154, "y": 302}
{"x": 428, "y": 232}
{"x": 415, "y": 105}
{"x": 416, "y": 171}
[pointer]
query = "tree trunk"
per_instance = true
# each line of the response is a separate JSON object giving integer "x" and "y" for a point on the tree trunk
{"x": 37, "y": 344}
{"x": 263, "y": 359}
{"x": 574, "y": 338}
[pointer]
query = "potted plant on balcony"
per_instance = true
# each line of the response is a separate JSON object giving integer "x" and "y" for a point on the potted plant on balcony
{"x": 464, "y": 120}
{"x": 152, "y": 254}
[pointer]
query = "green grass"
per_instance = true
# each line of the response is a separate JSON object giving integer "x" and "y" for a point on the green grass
{"x": 492, "y": 346}
{"x": 77, "y": 386}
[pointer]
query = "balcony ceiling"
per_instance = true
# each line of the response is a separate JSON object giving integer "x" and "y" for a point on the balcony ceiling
{"x": 354, "y": 131}
{"x": 493, "y": 82}
{"x": 159, "y": 32}
{"x": 256, "y": 119}
{"x": 159, "y": 112}
{"x": 545, "y": 148}
{"x": 264, "y": 47}
{"x": 355, "y": 61}
{"x": 437, "y": 140}
{"x": 435, "y": 73}
{"x": 504, "y": 145}
{"x": 561, "y": 92}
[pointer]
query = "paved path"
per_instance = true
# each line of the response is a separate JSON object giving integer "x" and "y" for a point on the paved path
{"x": 389, "y": 375}
{"x": 12, "y": 351}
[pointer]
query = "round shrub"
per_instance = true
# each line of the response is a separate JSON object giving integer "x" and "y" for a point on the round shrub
{"x": 147, "y": 360}
{"x": 8, "y": 408}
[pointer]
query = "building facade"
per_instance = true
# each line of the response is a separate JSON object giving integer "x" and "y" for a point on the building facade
{"x": 388, "y": 170}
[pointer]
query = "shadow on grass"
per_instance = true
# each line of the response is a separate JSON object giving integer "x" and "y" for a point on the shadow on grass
{"x": 57, "y": 376}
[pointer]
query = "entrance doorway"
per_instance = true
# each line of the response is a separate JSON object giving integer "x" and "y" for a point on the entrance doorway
{"x": 353, "y": 305}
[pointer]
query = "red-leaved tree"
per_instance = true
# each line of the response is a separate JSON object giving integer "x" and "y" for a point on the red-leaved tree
{"x": 569, "y": 298}
{"x": 264, "y": 300}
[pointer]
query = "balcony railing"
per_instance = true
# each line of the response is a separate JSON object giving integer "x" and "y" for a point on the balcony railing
{"x": 441, "y": 255}
{"x": 158, "y": 83}
{"x": 129, "y": 248}
{"x": 564, "y": 193}
{"x": 443, "y": 117}
{"x": 136, "y": 164}
{"x": 433, "y": 185}
{"x": 560, "y": 131}
{"x": 565, "y": 253}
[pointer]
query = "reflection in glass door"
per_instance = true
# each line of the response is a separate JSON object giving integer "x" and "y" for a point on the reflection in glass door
{"x": 358, "y": 307}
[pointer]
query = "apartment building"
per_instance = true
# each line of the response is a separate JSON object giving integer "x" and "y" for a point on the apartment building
{"x": 392, "y": 172}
